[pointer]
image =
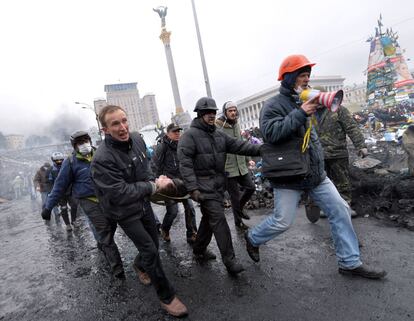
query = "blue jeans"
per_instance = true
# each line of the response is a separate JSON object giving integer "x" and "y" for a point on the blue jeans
{"x": 44, "y": 197}
{"x": 326, "y": 196}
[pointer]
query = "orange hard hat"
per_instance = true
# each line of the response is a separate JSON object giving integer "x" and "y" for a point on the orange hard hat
{"x": 292, "y": 63}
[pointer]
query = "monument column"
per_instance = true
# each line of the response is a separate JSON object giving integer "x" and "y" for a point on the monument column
{"x": 165, "y": 38}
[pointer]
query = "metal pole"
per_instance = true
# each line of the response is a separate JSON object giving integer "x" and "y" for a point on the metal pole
{"x": 97, "y": 121}
{"x": 200, "y": 45}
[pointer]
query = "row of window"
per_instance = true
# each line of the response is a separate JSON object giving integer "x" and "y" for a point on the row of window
{"x": 251, "y": 112}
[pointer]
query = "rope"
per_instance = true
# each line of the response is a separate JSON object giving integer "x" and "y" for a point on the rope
{"x": 306, "y": 137}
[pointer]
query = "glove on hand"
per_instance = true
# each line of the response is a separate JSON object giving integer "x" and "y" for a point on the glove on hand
{"x": 46, "y": 214}
{"x": 363, "y": 152}
{"x": 196, "y": 196}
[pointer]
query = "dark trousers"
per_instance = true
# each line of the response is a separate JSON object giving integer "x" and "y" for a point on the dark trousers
{"x": 171, "y": 214}
{"x": 143, "y": 232}
{"x": 105, "y": 230}
{"x": 233, "y": 188}
{"x": 63, "y": 206}
{"x": 214, "y": 222}
{"x": 338, "y": 171}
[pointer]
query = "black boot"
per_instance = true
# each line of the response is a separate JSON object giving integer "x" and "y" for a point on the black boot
{"x": 252, "y": 250}
{"x": 234, "y": 268}
{"x": 364, "y": 272}
{"x": 244, "y": 215}
{"x": 119, "y": 273}
{"x": 313, "y": 213}
{"x": 241, "y": 226}
{"x": 205, "y": 256}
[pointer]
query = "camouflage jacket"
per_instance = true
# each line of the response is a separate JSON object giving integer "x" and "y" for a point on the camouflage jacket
{"x": 332, "y": 130}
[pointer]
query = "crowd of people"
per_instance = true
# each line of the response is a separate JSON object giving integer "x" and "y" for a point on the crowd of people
{"x": 114, "y": 184}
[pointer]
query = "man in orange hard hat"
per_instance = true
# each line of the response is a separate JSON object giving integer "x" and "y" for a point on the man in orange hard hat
{"x": 284, "y": 118}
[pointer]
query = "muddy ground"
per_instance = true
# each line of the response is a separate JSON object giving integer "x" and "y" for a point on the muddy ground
{"x": 50, "y": 274}
{"x": 385, "y": 191}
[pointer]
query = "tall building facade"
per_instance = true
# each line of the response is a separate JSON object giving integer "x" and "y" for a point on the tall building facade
{"x": 149, "y": 109}
{"x": 249, "y": 107}
{"x": 141, "y": 112}
{"x": 126, "y": 95}
{"x": 355, "y": 98}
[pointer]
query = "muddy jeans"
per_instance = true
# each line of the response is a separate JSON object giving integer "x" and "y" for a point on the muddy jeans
{"x": 143, "y": 232}
{"x": 105, "y": 230}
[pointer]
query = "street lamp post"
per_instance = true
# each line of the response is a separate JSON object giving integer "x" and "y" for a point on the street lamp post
{"x": 87, "y": 106}
{"x": 200, "y": 46}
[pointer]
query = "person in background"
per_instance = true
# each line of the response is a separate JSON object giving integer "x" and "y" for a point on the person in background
{"x": 75, "y": 172}
{"x": 333, "y": 128}
{"x": 18, "y": 184}
{"x": 165, "y": 162}
{"x": 67, "y": 200}
{"x": 41, "y": 181}
{"x": 408, "y": 146}
{"x": 237, "y": 172}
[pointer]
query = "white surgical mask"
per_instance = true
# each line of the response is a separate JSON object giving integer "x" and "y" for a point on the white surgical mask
{"x": 298, "y": 90}
{"x": 85, "y": 148}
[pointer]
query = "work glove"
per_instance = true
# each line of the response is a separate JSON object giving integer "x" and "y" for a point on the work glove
{"x": 196, "y": 196}
{"x": 363, "y": 152}
{"x": 46, "y": 214}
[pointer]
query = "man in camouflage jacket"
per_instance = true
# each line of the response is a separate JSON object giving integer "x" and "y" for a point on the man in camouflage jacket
{"x": 332, "y": 128}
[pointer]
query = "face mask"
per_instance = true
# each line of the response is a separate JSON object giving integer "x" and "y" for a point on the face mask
{"x": 298, "y": 90}
{"x": 85, "y": 149}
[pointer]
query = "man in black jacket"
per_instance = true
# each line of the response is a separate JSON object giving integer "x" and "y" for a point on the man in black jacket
{"x": 202, "y": 154}
{"x": 165, "y": 162}
{"x": 282, "y": 119}
{"x": 124, "y": 182}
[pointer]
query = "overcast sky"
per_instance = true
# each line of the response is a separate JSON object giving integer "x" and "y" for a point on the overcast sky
{"x": 56, "y": 52}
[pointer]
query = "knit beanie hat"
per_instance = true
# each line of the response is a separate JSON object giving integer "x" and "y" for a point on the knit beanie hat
{"x": 228, "y": 105}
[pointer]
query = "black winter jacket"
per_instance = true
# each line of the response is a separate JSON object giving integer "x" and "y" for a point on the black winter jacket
{"x": 280, "y": 119}
{"x": 165, "y": 160}
{"x": 121, "y": 173}
{"x": 202, "y": 155}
